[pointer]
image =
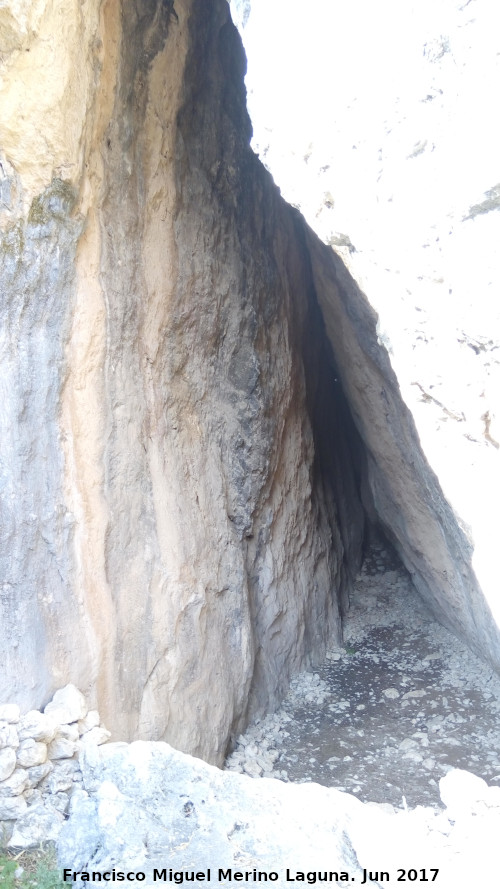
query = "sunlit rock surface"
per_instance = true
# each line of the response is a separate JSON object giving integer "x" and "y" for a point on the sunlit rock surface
{"x": 148, "y": 808}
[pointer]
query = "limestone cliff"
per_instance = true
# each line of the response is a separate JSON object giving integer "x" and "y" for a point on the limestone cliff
{"x": 197, "y": 411}
{"x": 181, "y": 513}
{"x": 388, "y": 148}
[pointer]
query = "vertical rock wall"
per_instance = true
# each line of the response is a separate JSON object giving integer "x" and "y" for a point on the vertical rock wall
{"x": 400, "y": 175}
{"x": 180, "y": 492}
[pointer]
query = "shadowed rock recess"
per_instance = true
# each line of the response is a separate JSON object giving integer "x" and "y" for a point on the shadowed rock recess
{"x": 199, "y": 425}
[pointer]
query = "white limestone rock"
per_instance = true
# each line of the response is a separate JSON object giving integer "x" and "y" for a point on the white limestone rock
{"x": 9, "y": 713}
{"x": 38, "y": 726}
{"x": 68, "y": 705}
{"x": 62, "y": 748}
{"x": 459, "y": 789}
{"x": 7, "y": 762}
{"x": 63, "y": 774}
{"x": 16, "y": 784}
{"x": 92, "y": 720}
{"x": 98, "y": 735}
{"x": 68, "y": 732}
{"x": 252, "y": 768}
{"x": 38, "y": 773}
{"x": 8, "y": 735}
{"x": 31, "y": 753}
{"x": 12, "y": 807}
{"x": 39, "y": 824}
{"x": 149, "y": 803}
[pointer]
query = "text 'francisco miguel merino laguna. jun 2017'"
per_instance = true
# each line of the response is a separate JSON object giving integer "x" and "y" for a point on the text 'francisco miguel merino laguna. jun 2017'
{"x": 229, "y": 875}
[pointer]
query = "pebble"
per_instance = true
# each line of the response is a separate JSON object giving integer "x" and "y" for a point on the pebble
{"x": 390, "y": 713}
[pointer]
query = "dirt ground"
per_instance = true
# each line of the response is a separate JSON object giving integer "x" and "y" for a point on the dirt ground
{"x": 391, "y": 711}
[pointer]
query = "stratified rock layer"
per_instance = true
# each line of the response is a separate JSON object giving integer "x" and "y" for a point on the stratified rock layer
{"x": 181, "y": 509}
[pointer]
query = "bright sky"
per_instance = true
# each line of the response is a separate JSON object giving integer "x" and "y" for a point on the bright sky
{"x": 351, "y": 79}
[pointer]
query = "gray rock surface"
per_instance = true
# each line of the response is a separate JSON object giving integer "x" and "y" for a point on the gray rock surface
{"x": 38, "y": 825}
{"x": 199, "y": 405}
{"x": 37, "y": 776}
{"x": 399, "y": 174}
{"x": 151, "y": 806}
{"x": 192, "y": 539}
{"x": 147, "y": 806}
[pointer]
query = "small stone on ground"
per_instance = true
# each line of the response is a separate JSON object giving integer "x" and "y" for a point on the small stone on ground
{"x": 391, "y": 712}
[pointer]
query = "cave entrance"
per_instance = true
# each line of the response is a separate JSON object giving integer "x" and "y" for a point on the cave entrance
{"x": 391, "y": 710}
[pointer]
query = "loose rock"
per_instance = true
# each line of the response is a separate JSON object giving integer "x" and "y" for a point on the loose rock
{"x": 7, "y": 763}
{"x": 67, "y": 705}
{"x": 31, "y": 753}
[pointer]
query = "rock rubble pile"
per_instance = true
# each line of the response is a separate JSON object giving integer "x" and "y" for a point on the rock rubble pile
{"x": 39, "y": 765}
{"x": 389, "y": 713}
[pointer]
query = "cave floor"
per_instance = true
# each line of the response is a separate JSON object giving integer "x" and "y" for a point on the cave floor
{"x": 388, "y": 713}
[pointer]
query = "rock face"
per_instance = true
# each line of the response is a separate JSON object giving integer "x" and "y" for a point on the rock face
{"x": 183, "y": 486}
{"x": 400, "y": 175}
{"x": 181, "y": 512}
{"x": 403, "y": 492}
{"x": 147, "y": 807}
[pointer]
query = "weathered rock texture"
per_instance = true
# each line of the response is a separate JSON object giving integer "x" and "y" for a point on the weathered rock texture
{"x": 400, "y": 175}
{"x": 180, "y": 484}
{"x": 402, "y": 491}
{"x": 182, "y": 480}
{"x": 146, "y": 807}
{"x": 39, "y": 766}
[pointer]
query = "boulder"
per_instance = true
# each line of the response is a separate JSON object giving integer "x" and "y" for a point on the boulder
{"x": 62, "y": 748}
{"x": 31, "y": 753}
{"x": 149, "y": 805}
{"x": 12, "y": 807}
{"x": 37, "y": 773}
{"x": 9, "y": 713}
{"x": 69, "y": 732}
{"x": 92, "y": 720}
{"x": 38, "y": 825}
{"x": 459, "y": 789}
{"x": 8, "y": 735}
{"x": 36, "y": 725}
{"x": 67, "y": 705}
{"x": 7, "y": 762}
{"x": 15, "y": 784}
{"x": 146, "y": 806}
{"x": 97, "y": 735}
{"x": 61, "y": 777}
